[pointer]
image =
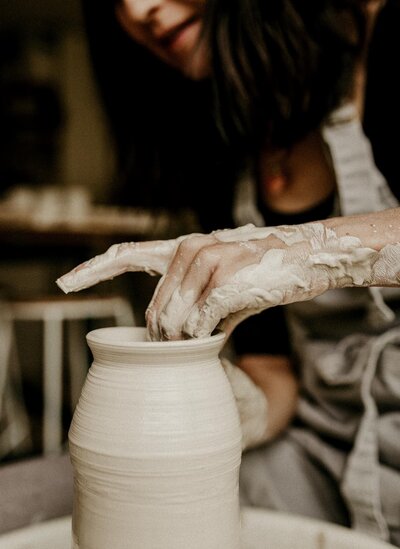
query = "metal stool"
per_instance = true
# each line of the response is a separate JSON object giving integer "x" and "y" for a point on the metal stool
{"x": 52, "y": 312}
{"x": 14, "y": 424}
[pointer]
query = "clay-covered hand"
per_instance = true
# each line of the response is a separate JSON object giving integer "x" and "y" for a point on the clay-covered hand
{"x": 223, "y": 277}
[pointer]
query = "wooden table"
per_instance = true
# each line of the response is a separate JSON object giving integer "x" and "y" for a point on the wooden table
{"x": 99, "y": 224}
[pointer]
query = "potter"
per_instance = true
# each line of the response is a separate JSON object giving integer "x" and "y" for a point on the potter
{"x": 282, "y": 104}
{"x": 155, "y": 444}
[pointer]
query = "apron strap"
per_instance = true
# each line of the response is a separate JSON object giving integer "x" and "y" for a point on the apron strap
{"x": 361, "y": 186}
{"x": 361, "y": 481}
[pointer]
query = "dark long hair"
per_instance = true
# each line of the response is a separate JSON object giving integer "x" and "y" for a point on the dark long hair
{"x": 161, "y": 122}
{"x": 279, "y": 67}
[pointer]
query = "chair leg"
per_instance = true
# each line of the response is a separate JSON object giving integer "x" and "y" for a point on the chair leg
{"x": 52, "y": 373}
{"x": 77, "y": 360}
{"x": 15, "y": 435}
{"x": 5, "y": 354}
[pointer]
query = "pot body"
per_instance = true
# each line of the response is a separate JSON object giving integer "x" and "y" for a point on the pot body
{"x": 155, "y": 445}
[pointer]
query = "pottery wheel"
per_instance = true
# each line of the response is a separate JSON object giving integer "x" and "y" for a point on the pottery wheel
{"x": 260, "y": 530}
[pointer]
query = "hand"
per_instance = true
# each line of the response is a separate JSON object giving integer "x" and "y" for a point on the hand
{"x": 273, "y": 376}
{"x": 266, "y": 390}
{"x": 189, "y": 266}
{"x": 152, "y": 257}
{"x": 223, "y": 277}
{"x": 252, "y": 406}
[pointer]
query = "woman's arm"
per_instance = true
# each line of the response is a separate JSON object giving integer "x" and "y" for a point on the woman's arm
{"x": 221, "y": 278}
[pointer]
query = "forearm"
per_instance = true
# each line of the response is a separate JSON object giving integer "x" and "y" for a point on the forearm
{"x": 378, "y": 232}
{"x": 300, "y": 262}
{"x": 374, "y": 230}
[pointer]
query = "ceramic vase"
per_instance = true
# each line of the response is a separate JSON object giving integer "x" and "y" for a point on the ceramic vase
{"x": 155, "y": 445}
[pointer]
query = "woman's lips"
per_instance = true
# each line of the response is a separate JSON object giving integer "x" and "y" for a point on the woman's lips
{"x": 183, "y": 37}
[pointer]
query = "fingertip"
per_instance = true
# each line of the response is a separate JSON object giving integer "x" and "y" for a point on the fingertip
{"x": 227, "y": 326}
{"x": 198, "y": 324}
{"x": 63, "y": 285}
{"x": 151, "y": 326}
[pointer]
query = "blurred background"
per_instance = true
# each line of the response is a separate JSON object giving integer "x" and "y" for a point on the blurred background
{"x": 52, "y": 127}
{"x": 57, "y": 165}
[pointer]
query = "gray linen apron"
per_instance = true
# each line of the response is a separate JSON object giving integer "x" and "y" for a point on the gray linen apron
{"x": 340, "y": 461}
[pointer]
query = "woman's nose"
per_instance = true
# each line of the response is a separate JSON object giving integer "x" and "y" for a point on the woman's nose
{"x": 141, "y": 10}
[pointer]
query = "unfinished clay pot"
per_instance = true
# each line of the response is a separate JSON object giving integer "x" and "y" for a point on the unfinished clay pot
{"x": 155, "y": 445}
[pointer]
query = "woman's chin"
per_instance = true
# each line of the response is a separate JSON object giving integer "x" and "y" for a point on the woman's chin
{"x": 198, "y": 68}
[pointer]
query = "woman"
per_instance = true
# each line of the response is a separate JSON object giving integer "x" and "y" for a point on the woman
{"x": 278, "y": 70}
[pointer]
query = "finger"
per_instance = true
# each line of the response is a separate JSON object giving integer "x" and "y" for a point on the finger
{"x": 169, "y": 301}
{"x": 225, "y": 307}
{"x": 254, "y": 283}
{"x": 228, "y": 292}
{"x": 214, "y": 267}
{"x": 217, "y": 305}
{"x": 228, "y": 324}
{"x": 226, "y": 304}
{"x": 189, "y": 247}
{"x": 152, "y": 257}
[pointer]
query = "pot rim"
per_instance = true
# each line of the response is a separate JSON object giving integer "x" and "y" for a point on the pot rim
{"x": 136, "y": 337}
